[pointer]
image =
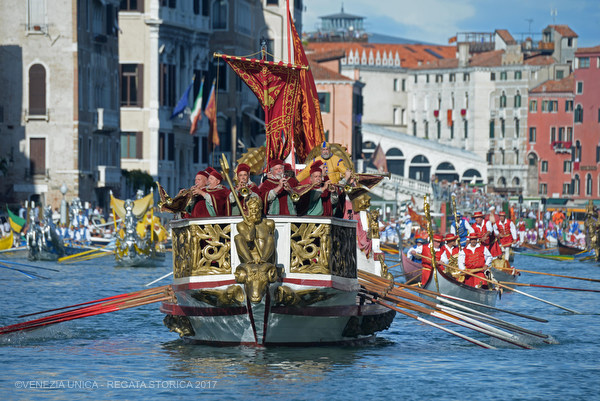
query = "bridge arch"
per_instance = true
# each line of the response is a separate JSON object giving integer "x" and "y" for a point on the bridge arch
{"x": 395, "y": 161}
{"x": 471, "y": 174}
{"x": 446, "y": 171}
{"x": 420, "y": 169}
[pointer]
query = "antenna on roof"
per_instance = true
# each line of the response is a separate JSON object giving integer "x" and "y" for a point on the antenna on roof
{"x": 553, "y": 14}
{"x": 530, "y": 20}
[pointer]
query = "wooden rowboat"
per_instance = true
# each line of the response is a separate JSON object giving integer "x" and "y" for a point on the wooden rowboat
{"x": 564, "y": 249}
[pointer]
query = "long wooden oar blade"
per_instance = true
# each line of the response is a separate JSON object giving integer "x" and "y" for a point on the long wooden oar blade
{"x": 559, "y": 275}
{"x": 10, "y": 262}
{"x": 548, "y": 286}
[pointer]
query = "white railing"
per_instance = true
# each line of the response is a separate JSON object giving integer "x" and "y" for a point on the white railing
{"x": 397, "y": 184}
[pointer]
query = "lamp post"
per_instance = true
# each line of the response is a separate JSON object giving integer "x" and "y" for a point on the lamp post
{"x": 63, "y": 204}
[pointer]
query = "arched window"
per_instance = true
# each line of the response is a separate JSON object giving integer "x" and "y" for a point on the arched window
{"x": 220, "y": 11}
{"x": 37, "y": 90}
{"x": 472, "y": 176}
{"x": 576, "y": 185}
{"x": 502, "y": 182}
{"x": 503, "y": 100}
{"x": 588, "y": 185}
{"x": 446, "y": 171}
{"x": 578, "y": 115}
{"x": 518, "y": 100}
{"x": 419, "y": 169}
{"x": 532, "y": 159}
{"x": 516, "y": 182}
{"x": 395, "y": 161}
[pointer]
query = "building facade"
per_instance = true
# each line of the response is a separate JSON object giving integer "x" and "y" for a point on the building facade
{"x": 59, "y": 102}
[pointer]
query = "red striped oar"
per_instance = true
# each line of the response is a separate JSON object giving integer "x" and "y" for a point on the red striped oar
{"x": 95, "y": 301}
{"x": 125, "y": 301}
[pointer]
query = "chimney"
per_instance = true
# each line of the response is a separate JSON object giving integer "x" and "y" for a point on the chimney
{"x": 463, "y": 54}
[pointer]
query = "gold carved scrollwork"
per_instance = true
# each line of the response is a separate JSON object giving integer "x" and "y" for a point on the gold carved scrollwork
{"x": 384, "y": 269}
{"x": 452, "y": 269}
{"x": 286, "y": 296}
{"x": 232, "y": 295}
{"x": 200, "y": 250}
{"x": 179, "y": 324}
{"x": 311, "y": 244}
{"x": 343, "y": 251}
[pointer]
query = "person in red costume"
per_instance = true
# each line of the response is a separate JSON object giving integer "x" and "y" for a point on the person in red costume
{"x": 243, "y": 181}
{"x": 506, "y": 232}
{"x": 451, "y": 248}
{"x": 485, "y": 230}
{"x": 275, "y": 189}
{"x": 318, "y": 200}
{"x": 197, "y": 207}
{"x": 216, "y": 195}
{"x": 425, "y": 252}
{"x": 476, "y": 259}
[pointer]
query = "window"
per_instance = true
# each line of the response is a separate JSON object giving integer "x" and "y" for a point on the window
{"x": 575, "y": 185}
{"x": 219, "y": 14}
{"x": 567, "y": 166}
{"x": 489, "y": 157}
{"x": 503, "y": 100}
{"x": 492, "y": 76}
{"x": 37, "y": 90}
{"x": 168, "y": 3}
{"x": 561, "y": 133}
{"x": 569, "y": 134}
{"x": 491, "y": 128}
{"x": 532, "y": 134}
{"x": 568, "y": 105}
{"x": 206, "y": 8}
{"x": 599, "y": 115}
{"x": 396, "y": 85}
{"x": 553, "y": 106}
{"x": 132, "y": 5}
{"x": 518, "y": 100}
{"x": 171, "y": 146}
{"x": 324, "y": 101}
{"x": 403, "y": 85}
{"x": 397, "y": 115}
{"x": 503, "y": 76}
{"x": 588, "y": 185}
{"x": 517, "y": 127}
{"x": 579, "y": 87}
{"x": 566, "y": 188}
{"x": 543, "y": 189}
{"x": 220, "y": 71}
{"x": 272, "y": 2}
{"x": 162, "y": 146}
{"x": 414, "y": 126}
{"x": 196, "y": 7}
{"x": 452, "y": 77}
{"x": 416, "y": 78}
{"x": 167, "y": 85}
{"x": 132, "y": 85}
{"x": 578, "y": 115}
{"x": 560, "y": 74}
{"x": 426, "y": 129}
{"x": 439, "y": 129}
{"x": 584, "y": 62}
{"x": 598, "y": 153}
{"x": 131, "y": 145}
{"x": 502, "y": 127}
{"x": 452, "y": 130}
{"x": 466, "y": 77}
{"x": 439, "y": 78}
{"x": 552, "y": 135}
{"x": 427, "y": 78}
{"x": 466, "y": 124}
{"x": 518, "y": 75}
{"x": 533, "y": 106}
{"x": 544, "y": 166}
{"x": 545, "y": 106}
{"x": 36, "y": 16}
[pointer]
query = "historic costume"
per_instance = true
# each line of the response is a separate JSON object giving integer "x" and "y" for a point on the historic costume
{"x": 425, "y": 251}
{"x": 474, "y": 257}
{"x": 276, "y": 201}
{"x": 506, "y": 232}
{"x": 334, "y": 167}
{"x": 217, "y": 198}
{"x": 317, "y": 201}
{"x": 252, "y": 191}
{"x": 464, "y": 229}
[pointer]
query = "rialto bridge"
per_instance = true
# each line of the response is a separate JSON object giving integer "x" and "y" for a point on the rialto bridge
{"x": 414, "y": 161}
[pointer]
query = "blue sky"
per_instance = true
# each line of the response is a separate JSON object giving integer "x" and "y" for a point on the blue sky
{"x": 437, "y": 20}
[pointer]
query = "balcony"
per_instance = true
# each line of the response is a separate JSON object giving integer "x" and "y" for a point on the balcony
{"x": 561, "y": 147}
{"x": 106, "y": 120}
{"x": 108, "y": 176}
{"x": 546, "y": 46}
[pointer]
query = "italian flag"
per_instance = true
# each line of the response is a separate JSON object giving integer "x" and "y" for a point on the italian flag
{"x": 197, "y": 110}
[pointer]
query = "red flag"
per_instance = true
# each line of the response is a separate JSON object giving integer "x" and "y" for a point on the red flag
{"x": 309, "y": 125}
{"x": 211, "y": 113}
{"x": 276, "y": 87}
{"x": 378, "y": 159}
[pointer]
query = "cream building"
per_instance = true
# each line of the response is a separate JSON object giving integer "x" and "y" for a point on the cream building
{"x": 59, "y": 105}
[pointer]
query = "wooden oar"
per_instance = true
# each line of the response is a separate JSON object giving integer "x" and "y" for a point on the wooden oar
{"x": 381, "y": 287}
{"x": 158, "y": 279}
{"x": 523, "y": 293}
{"x": 442, "y": 297}
{"x": 437, "y": 326}
{"x": 547, "y": 286}
{"x": 19, "y": 248}
{"x": 449, "y": 317}
{"x": 28, "y": 274}
{"x": 559, "y": 275}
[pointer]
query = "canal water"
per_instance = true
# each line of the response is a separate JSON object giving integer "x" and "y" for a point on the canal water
{"x": 130, "y": 354}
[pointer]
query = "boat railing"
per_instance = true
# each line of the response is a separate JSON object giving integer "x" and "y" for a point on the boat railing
{"x": 304, "y": 245}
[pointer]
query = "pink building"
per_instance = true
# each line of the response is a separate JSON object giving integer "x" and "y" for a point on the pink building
{"x": 586, "y": 157}
{"x": 550, "y": 136}
{"x": 341, "y": 100}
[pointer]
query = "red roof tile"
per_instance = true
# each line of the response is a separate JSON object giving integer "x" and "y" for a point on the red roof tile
{"x": 506, "y": 36}
{"x": 586, "y": 50}
{"x": 333, "y": 54}
{"x": 410, "y": 55}
{"x": 564, "y": 85}
{"x": 564, "y": 31}
{"x": 325, "y": 74}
